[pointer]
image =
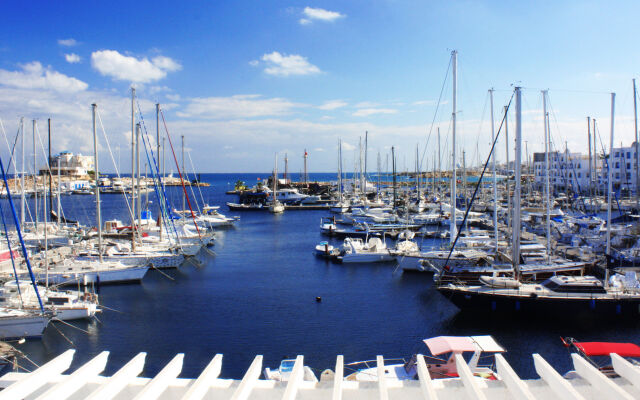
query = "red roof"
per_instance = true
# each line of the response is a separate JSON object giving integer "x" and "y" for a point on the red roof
{"x": 606, "y": 348}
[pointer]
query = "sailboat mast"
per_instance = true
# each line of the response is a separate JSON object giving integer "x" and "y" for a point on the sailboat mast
{"x": 506, "y": 182}
{"x": 393, "y": 167}
{"x": 160, "y": 192}
{"x": 610, "y": 184}
{"x": 452, "y": 221}
{"x": 97, "y": 178}
{"x": 495, "y": 178}
{"x": 184, "y": 195}
{"x": 139, "y": 196}
{"x": 518, "y": 185}
{"x": 637, "y": 147}
{"x": 340, "y": 171}
{"x": 22, "y": 199}
{"x": 590, "y": 162}
{"x": 547, "y": 200}
{"x": 35, "y": 178}
{"x": 49, "y": 174}
{"x": 133, "y": 167}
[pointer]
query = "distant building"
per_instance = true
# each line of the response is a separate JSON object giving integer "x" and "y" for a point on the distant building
{"x": 570, "y": 171}
{"x": 70, "y": 165}
{"x": 567, "y": 171}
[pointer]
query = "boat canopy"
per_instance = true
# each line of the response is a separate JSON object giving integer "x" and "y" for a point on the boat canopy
{"x": 606, "y": 348}
{"x": 444, "y": 344}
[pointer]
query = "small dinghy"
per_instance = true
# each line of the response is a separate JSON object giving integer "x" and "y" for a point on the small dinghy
{"x": 324, "y": 249}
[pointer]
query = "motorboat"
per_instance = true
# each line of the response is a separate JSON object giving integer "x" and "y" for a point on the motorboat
{"x": 324, "y": 249}
{"x": 441, "y": 364}
{"x": 66, "y": 305}
{"x": 284, "y": 371}
{"x": 355, "y": 250}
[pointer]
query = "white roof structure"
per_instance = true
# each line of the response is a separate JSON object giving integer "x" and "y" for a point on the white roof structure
{"x": 460, "y": 344}
{"x": 48, "y": 382}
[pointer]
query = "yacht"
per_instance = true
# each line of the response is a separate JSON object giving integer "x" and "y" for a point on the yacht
{"x": 357, "y": 251}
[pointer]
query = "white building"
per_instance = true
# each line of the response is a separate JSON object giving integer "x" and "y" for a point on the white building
{"x": 567, "y": 171}
{"x": 623, "y": 168}
{"x": 70, "y": 164}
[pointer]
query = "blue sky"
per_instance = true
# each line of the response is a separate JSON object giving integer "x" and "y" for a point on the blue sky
{"x": 243, "y": 80}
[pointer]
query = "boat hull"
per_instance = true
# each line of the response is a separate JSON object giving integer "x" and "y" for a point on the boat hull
{"x": 22, "y": 327}
{"x": 560, "y": 307}
{"x": 120, "y": 275}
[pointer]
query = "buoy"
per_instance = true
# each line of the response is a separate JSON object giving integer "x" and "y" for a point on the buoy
{"x": 318, "y": 299}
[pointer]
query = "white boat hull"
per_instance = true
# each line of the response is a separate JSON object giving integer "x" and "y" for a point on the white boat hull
{"x": 22, "y": 326}
{"x": 367, "y": 258}
{"x": 119, "y": 275}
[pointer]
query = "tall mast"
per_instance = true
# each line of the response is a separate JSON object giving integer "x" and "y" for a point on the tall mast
{"x": 97, "y": 178}
{"x": 547, "y": 200}
{"x": 393, "y": 167}
{"x": 452, "y": 221}
{"x": 495, "y": 178}
{"x": 35, "y": 177}
{"x": 590, "y": 162}
{"x": 417, "y": 177}
{"x": 609, "y": 187}
{"x": 378, "y": 189}
{"x": 158, "y": 158}
{"x": 464, "y": 185}
{"x": 49, "y": 172}
{"x": 637, "y": 147}
{"x": 185, "y": 193}
{"x": 139, "y": 197}
{"x": 506, "y": 183}
{"x": 339, "y": 171}
{"x": 595, "y": 158}
{"x": 133, "y": 168}
{"x": 22, "y": 199}
{"x": 518, "y": 187}
{"x": 275, "y": 178}
{"x": 439, "y": 175}
{"x": 360, "y": 168}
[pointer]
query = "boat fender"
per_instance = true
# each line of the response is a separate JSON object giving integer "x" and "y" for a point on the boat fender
{"x": 533, "y": 295}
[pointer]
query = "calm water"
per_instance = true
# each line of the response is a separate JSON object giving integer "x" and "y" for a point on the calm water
{"x": 256, "y": 295}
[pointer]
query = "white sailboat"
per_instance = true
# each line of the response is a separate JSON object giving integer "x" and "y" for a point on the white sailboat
{"x": 275, "y": 207}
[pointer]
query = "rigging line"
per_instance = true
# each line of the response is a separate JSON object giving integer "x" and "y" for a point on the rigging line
{"x": 175, "y": 159}
{"x": 162, "y": 199}
{"x": 475, "y": 192}
{"x": 13, "y": 148}
{"x": 194, "y": 172}
{"x": 13, "y": 264}
{"x": 195, "y": 199}
{"x": 155, "y": 176}
{"x": 18, "y": 230}
{"x": 115, "y": 166}
{"x": 435, "y": 114}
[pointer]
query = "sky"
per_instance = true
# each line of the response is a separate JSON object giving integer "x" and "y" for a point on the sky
{"x": 245, "y": 80}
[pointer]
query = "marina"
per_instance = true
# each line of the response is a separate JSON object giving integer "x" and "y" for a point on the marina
{"x": 357, "y": 200}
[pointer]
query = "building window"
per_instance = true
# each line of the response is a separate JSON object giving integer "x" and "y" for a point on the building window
{"x": 628, "y": 165}
{"x": 579, "y": 175}
{"x": 628, "y": 154}
{"x": 628, "y": 176}
{"x": 617, "y": 165}
{"x": 617, "y": 154}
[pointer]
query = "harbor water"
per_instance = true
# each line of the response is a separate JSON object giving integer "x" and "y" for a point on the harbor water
{"x": 257, "y": 295}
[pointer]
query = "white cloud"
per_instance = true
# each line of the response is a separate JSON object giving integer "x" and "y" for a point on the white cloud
{"x": 333, "y": 104}
{"x": 35, "y": 76}
{"x": 238, "y": 106}
{"x": 72, "y": 58}
{"x": 348, "y": 147}
{"x": 285, "y": 65}
{"x": 173, "y": 97}
{"x": 254, "y": 63}
{"x": 424, "y": 103}
{"x": 319, "y": 149}
{"x": 365, "y": 112}
{"x": 127, "y": 68}
{"x": 319, "y": 14}
{"x": 67, "y": 42}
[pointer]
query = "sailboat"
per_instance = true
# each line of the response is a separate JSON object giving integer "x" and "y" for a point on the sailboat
{"x": 275, "y": 207}
{"x": 559, "y": 295}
